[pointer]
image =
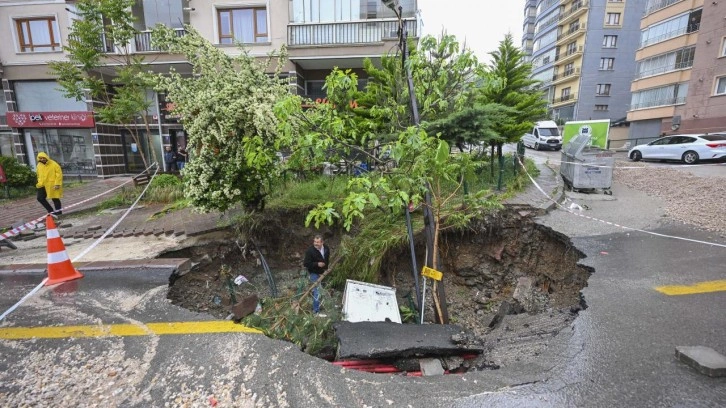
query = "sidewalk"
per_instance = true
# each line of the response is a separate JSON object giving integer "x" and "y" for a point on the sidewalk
{"x": 28, "y": 208}
{"x": 550, "y": 181}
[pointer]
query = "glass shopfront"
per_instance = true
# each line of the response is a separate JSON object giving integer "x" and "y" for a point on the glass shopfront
{"x": 71, "y": 148}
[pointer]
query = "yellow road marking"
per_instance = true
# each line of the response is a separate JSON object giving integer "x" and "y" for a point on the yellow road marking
{"x": 696, "y": 288}
{"x": 123, "y": 330}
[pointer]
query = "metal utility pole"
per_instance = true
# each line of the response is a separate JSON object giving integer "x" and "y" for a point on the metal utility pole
{"x": 429, "y": 222}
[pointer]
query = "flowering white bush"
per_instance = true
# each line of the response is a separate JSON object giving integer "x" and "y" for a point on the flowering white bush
{"x": 236, "y": 117}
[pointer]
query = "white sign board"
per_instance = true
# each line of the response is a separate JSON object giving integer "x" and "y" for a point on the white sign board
{"x": 366, "y": 302}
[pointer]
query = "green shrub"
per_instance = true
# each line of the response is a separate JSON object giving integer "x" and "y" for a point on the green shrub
{"x": 165, "y": 180}
{"x": 18, "y": 175}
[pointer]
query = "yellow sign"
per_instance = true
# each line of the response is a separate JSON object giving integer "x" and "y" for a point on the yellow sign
{"x": 432, "y": 273}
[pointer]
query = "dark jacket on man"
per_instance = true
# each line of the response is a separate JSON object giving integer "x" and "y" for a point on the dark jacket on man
{"x": 313, "y": 256}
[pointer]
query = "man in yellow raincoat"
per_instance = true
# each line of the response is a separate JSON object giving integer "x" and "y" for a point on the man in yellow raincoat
{"x": 50, "y": 183}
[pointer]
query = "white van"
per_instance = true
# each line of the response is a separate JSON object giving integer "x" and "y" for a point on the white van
{"x": 544, "y": 135}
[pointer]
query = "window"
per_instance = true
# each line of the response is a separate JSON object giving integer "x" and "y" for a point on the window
{"x": 612, "y": 19}
{"x": 723, "y": 47}
{"x": 245, "y": 25}
{"x": 659, "y": 64}
{"x": 721, "y": 86}
{"x": 610, "y": 41}
{"x": 569, "y": 69}
{"x": 38, "y": 34}
{"x": 571, "y": 48}
{"x": 603, "y": 90}
{"x": 661, "y": 96}
{"x": 565, "y": 94}
{"x": 606, "y": 64}
{"x": 664, "y": 30}
{"x": 601, "y": 108}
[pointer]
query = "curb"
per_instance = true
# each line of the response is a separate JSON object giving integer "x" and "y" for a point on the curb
{"x": 182, "y": 265}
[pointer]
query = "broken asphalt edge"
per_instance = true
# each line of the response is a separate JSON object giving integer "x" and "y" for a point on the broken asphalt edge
{"x": 180, "y": 265}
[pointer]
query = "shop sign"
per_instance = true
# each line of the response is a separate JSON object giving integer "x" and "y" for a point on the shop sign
{"x": 50, "y": 119}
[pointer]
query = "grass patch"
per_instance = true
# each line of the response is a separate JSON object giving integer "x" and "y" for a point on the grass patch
{"x": 298, "y": 194}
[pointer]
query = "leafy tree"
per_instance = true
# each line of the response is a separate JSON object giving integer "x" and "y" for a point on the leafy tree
{"x": 445, "y": 81}
{"x": 237, "y": 118}
{"x": 123, "y": 92}
{"x": 423, "y": 166}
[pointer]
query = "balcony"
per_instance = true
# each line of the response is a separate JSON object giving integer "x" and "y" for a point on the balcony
{"x": 567, "y": 36}
{"x": 571, "y": 54}
{"x": 658, "y": 103}
{"x": 565, "y": 76}
{"x": 574, "y": 12}
{"x": 562, "y": 100}
{"x": 664, "y": 69}
{"x": 546, "y": 23}
{"x": 341, "y": 33}
{"x": 660, "y": 5}
{"x": 690, "y": 28}
{"x": 142, "y": 43}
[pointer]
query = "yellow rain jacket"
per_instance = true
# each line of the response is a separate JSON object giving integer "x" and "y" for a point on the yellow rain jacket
{"x": 49, "y": 176}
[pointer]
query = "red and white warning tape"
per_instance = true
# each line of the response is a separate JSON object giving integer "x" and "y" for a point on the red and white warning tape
{"x": 612, "y": 223}
{"x": 53, "y": 233}
{"x": 31, "y": 224}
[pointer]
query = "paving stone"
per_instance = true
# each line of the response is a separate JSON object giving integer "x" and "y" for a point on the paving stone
{"x": 94, "y": 228}
{"x": 178, "y": 233}
{"x": 705, "y": 360}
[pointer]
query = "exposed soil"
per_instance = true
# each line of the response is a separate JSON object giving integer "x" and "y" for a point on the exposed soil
{"x": 510, "y": 281}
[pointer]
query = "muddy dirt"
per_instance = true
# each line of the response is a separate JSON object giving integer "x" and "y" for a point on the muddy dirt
{"x": 510, "y": 281}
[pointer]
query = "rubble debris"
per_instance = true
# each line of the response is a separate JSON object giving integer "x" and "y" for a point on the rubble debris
{"x": 431, "y": 367}
{"x": 247, "y": 306}
{"x": 376, "y": 340}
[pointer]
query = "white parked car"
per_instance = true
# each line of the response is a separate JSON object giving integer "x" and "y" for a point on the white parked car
{"x": 689, "y": 149}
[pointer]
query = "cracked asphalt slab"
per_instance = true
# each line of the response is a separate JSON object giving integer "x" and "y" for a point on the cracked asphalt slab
{"x": 618, "y": 352}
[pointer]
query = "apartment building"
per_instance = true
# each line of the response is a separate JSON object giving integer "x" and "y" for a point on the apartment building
{"x": 583, "y": 53}
{"x": 680, "y": 82}
{"x": 35, "y": 116}
{"x": 530, "y": 12}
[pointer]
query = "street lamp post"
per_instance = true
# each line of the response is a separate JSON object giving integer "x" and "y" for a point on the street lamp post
{"x": 429, "y": 222}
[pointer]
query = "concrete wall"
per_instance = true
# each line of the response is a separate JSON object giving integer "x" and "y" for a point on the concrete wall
{"x": 204, "y": 19}
{"x": 645, "y": 129}
{"x": 10, "y": 54}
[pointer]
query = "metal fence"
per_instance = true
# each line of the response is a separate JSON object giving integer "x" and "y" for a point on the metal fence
{"x": 629, "y": 143}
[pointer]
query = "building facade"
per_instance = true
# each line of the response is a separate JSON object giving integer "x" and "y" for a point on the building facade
{"x": 35, "y": 116}
{"x": 583, "y": 53}
{"x": 680, "y": 82}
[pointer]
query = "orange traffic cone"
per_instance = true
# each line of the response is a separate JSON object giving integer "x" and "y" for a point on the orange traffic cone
{"x": 60, "y": 268}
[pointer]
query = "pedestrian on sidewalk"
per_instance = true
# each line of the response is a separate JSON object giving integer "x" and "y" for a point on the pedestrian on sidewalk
{"x": 50, "y": 184}
{"x": 170, "y": 160}
{"x": 317, "y": 259}
{"x": 181, "y": 158}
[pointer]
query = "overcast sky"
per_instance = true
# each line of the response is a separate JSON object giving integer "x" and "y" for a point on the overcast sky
{"x": 483, "y": 23}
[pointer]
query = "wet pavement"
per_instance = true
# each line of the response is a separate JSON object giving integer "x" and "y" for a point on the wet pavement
{"x": 618, "y": 352}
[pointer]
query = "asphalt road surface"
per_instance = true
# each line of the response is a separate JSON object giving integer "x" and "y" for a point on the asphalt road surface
{"x": 619, "y": 352}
